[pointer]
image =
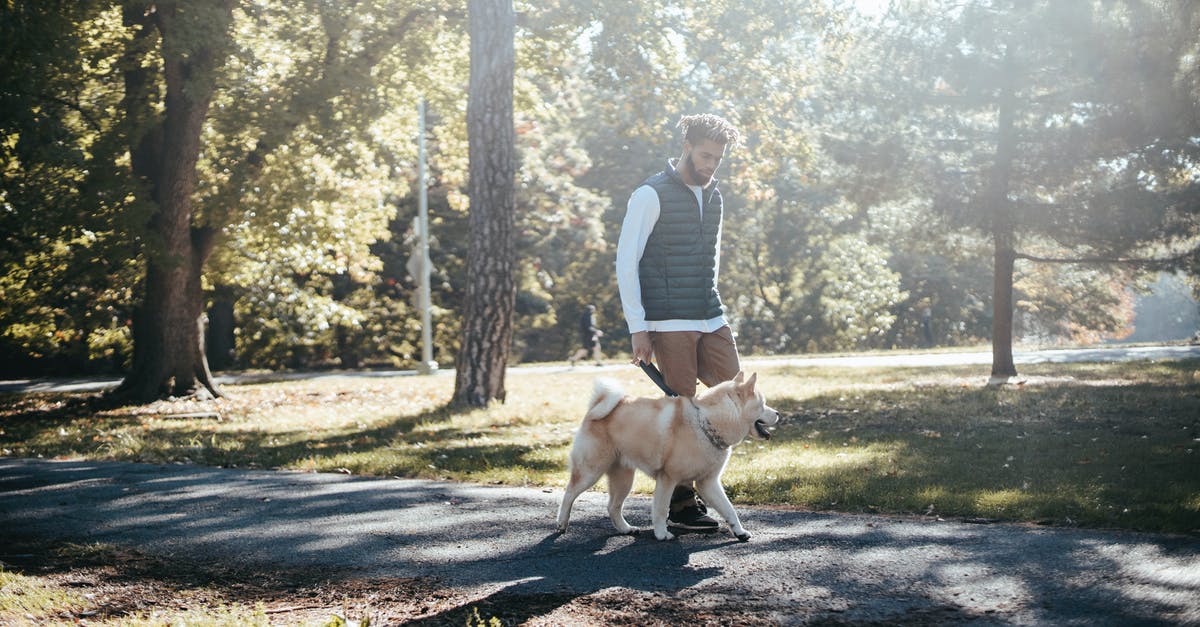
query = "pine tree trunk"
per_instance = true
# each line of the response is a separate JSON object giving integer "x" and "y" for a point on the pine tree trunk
{"x": 491, "y": 288}
{"x": 1002, "y": 227}
{"x": 1002, "y": 311}
{"x": 168, "y": 356}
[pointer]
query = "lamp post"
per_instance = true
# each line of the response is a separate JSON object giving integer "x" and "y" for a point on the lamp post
{"x": 427, "y": 365}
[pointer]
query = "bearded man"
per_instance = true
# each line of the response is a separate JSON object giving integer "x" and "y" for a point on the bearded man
{"x": 668, "y": 257}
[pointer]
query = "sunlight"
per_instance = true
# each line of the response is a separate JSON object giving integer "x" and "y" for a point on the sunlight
{"x": 871, "y": 8}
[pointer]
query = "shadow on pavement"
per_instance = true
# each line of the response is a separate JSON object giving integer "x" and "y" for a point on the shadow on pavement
{"x": 497, "y": 541}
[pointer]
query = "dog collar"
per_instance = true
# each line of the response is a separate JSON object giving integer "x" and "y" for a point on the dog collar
{"x": 708, "y": 430}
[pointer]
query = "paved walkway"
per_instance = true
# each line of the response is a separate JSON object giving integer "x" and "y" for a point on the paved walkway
{"x": 799, "y": 567}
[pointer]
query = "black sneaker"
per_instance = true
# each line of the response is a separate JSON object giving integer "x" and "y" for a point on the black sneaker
{"x": 692, "y": 518}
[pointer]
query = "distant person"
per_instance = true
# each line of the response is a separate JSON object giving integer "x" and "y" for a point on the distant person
{"x": 589, "y": 337}
{"x": 668, "y": 256}
{"x": 926, "y": 326}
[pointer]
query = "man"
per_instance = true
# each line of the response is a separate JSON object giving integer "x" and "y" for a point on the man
{"x": 667, "y": 261}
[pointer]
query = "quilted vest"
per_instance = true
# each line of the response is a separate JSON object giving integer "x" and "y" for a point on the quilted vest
{"x": 678, "y": 268}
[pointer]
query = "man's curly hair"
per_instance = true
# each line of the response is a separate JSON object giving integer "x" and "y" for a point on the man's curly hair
{"x": 709, "y": 126}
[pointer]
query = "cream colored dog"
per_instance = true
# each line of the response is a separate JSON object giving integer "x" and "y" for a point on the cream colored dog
{"x": 673, "y": 440}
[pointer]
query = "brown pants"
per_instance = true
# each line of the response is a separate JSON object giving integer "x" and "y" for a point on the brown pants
{"x": 685, "y": 356}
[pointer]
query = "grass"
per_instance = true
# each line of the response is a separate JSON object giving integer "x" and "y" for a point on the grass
{"x": 31, "y": 598}
{"x": 101, "y": 584}
{"x": 1095, "y": 445}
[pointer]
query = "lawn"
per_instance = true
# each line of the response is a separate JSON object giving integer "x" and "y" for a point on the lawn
{"x": 1095, "y": 445}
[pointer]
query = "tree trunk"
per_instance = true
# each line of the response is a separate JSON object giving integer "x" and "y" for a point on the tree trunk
{"x": 168, "y": 356}
{"x": 491, "y": 288}
{"x": 1002, "y": 311}
{"x": 1002, "y": 227}
{"x": 220, "y": 340}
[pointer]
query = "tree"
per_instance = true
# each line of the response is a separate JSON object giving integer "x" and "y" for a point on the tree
{"x": 1029, "y": 122}
{"x": 312, "y": 168}
{"x": 65, "y": 197}
{"x": 488, "y": 311}
{"x": 799, "y": 269}
{"x": 192, "y": 40}
{"x": 870, "y": 182}
{"x": 312, "y": 99}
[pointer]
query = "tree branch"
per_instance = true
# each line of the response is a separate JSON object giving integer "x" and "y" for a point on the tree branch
{"x": 302, "y": 107}
{"x": 87, "y": 117}
{"x": 1146, "y": 261}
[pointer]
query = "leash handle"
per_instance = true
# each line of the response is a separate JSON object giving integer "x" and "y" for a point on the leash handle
{"x": 656, "y": 376}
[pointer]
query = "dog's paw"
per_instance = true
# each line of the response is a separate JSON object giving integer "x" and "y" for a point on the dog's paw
{"x": 744, "y": 536}
{"x": 666, "y": 535}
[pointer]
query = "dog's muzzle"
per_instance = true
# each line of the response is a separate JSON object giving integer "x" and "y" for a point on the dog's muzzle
{"x": 760, "y": 427}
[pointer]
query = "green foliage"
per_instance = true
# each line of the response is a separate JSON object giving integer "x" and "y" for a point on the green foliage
{"x": 338, "y": 621}
{"x": 67, "y": 209}
{"x": 789, "y": 274}
{"x": 944, "y": 272}
{"x": 559, "y": 221}
{"x": 1095, "y": 168}
{"x": 313, "y": 136}
{"x": 856, "y": 201}
{"x": 475, "y": 620}
{"x": 1056, "y": 303}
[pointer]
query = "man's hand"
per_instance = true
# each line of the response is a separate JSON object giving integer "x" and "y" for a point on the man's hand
{"x": 643, "y": 350}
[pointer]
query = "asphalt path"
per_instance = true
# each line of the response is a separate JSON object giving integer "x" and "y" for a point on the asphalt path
{"x": 1100, "y": 354}
{"x": 799, "y": 567}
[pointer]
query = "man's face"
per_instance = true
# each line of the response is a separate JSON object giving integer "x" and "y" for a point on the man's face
{"x": 700, "y": 160}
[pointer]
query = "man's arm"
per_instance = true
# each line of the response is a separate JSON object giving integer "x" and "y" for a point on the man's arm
{"x": 641, "y": 215}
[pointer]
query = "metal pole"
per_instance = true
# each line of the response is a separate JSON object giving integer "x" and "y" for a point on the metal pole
{"x": 428, "y": 365}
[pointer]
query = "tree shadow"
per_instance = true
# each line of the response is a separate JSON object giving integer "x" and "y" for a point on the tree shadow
{"x": 497, "y": 543}
{"x": 1066, "y": 453}
{"x": 290, "y": 449}
{"x": 31, "y": 408}
{"x": 628, "y": 565}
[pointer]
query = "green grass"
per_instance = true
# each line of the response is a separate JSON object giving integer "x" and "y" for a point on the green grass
{"x": 1096, "y": 445}
{"x": 103, "y": 584}
{"x": 40, "y": 600}
{"x": 34, "y": 599}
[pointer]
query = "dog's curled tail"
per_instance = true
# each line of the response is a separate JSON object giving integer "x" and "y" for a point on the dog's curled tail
{"x": 606, "y": 394}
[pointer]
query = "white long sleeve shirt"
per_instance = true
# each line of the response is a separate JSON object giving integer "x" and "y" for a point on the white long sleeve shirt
{"x": 641, "y": 215}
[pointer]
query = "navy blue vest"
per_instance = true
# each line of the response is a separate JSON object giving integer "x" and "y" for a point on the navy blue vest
{"x": 678, "y": 268}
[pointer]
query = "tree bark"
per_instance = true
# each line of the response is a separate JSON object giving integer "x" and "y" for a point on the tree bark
{"x": 1002, "y": 227}
{"x": 219, "y": 338}
{"x": 168, "y": 356}
{"x": 491, "y": 288}
{"x": 1002, "y": 310}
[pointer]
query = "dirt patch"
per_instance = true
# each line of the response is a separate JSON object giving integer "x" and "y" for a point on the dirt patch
{"x": 120, "y": 584}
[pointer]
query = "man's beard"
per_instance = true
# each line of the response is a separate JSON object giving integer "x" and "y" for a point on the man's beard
{"x": 695, "y": 175}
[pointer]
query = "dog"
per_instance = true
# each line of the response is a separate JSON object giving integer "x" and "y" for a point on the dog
{"x": 673, "y": 440}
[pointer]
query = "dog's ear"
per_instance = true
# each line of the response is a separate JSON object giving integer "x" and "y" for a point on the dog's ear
{"x": 745, "y": 387}
{"x": 751, "y": 381}
{"x": 739, "y": 377}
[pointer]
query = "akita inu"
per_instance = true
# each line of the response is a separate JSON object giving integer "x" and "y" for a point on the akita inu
{"x": 673, "y": 440}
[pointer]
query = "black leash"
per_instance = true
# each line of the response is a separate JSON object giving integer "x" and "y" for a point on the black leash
{"x": 656, "y": 376}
